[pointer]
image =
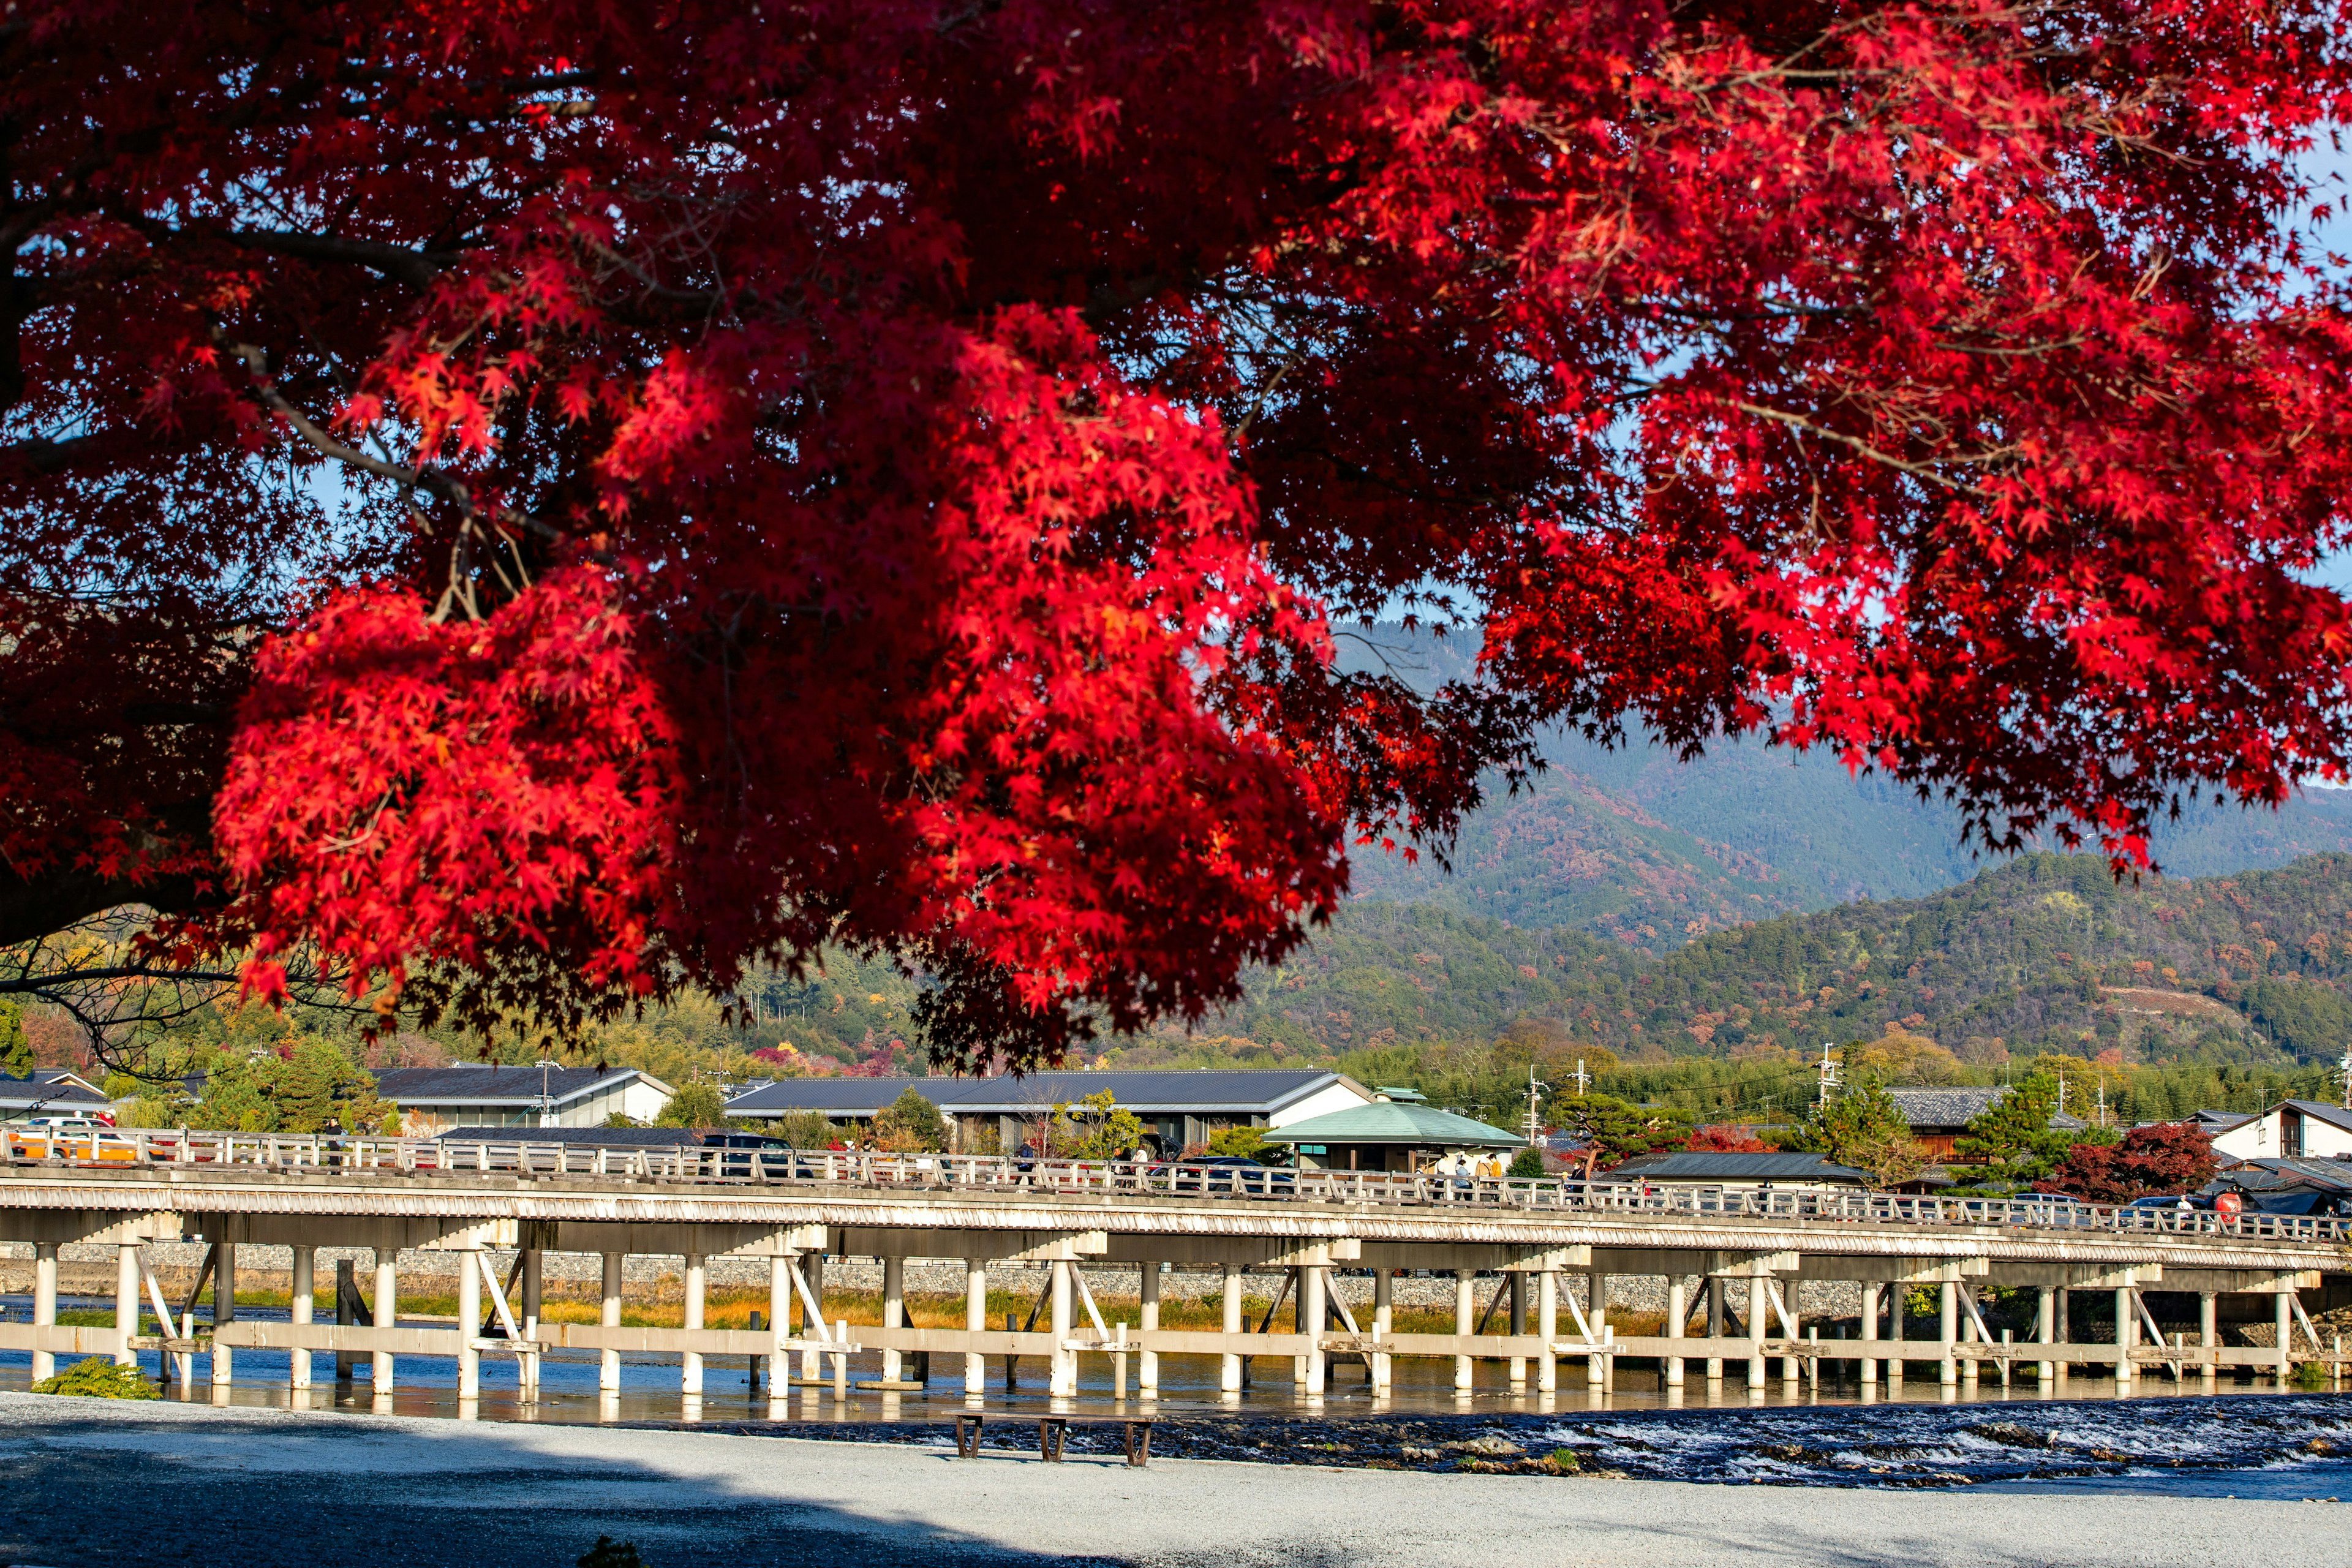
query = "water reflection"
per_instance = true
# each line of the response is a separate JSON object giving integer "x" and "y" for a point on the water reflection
{"x": 650, "y": 1388}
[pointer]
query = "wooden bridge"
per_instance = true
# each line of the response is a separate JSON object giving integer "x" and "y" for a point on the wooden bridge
{"x": 1087, "y": 1220}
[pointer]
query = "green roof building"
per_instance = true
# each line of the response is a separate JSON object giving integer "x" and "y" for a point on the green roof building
{"x": 1387, "y": 1135}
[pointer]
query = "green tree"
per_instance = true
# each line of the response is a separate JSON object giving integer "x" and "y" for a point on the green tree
{"x": 1613, "y": 1132}
{"x": 1096, "y": 1127}
{"x": 1864, "y": 1129}
{"x": 300, "y": 1087}
{"x": 911, "y": 1123}
{"x": 698, "y": 1104}
{"x": 1527, "y": 1162}
{"x": 16, "y": 1050}
{"x": 2014, "y": 1138}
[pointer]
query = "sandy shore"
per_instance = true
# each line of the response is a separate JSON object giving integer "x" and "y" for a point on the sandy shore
{"x": 90, "y": 1481}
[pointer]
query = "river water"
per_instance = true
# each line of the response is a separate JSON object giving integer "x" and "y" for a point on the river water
{"x": 2242, "y": 1439}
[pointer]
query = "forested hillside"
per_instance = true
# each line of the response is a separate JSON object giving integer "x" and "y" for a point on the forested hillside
{"x": 2047, "y": 953}
{"x": 1636, "y": 845}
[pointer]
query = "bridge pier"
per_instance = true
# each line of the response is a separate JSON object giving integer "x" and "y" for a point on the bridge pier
{"x": 1756, "y": 1331}
{"x": 44, "y": 1304}
{"x": 2209, "y": 1332}
{"x": 975, "y": 1319}
{"x": 1464, "y": 1309}
{"x": 1677, "y": 1326}
{"x": 698, "y": 1287}
{"x": 1229, "y": 1365}
{"x": 1713, "y": 1327}
{"x": 1312, "y": 1312}
{"x": 1064, "y": 1384}
{"x": 126, "y": 1302}
{"x": 1948, "y": 1370}
{"x": 527, "y": 1364}
{"x": 1547, "y": 1330}
{"x": 1599, "y": 1372}
{"x": 300, "y": 1301}
{"x": 1519, "y": 1286}
{"x": 1384, "y": 1324}
{"x": 2126, "y": 1332}
{"x": 1147, "y": 1363}
{"x": 224, "y": 1312}
{"x": 608, "y": 1314}
{"x": 386, "y": 1314}
{"x": 893, "y": 1312}
{"x": 1867, "y": 1375}
{"x": 469, "y": 1322}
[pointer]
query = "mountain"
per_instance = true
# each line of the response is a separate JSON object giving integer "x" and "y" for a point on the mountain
{"x": 2047, "y": 953}
{"x": 1639, "y": 846}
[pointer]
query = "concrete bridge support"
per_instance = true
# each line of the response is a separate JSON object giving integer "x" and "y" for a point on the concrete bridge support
{"x": 1599, "y": 1371}
{"x": 2208, "y": 1329}
{"x": 1147, "y": 1364}
{"x": 1948, "y": 1370}
{"x": 1065, "y": 1381}
{"x": 1867, "y": 1376}
{"x": 1383, "y": 1325}
{"x": 1547, "y": 1330}
{"x": 608, "y": 1314}
{"x": 1714, "y": 1327}
{"x": 697, "y": 1290}
{"x": 300, "y": 1304}
{"x": 1464, "y": 1312}
{"x": 1229, "y": 1370}
{"x": 126, "y": 1302}
{"x": 975, "y": 1319}
{"x": 1677, "y": 1326}
{"x": 44, "y": 1304}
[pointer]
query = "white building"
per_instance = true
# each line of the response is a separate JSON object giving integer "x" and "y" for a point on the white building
{"x": 483, "y": 1094}
{"x": 2291, "y": 1129}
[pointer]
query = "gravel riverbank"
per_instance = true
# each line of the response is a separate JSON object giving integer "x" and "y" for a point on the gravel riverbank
{"x": 92, "y": 1482}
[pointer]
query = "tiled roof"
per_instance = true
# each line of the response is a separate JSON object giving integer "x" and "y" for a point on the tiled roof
{"x": 482, "y": 1084}
{"x": 1211, "y": 1092}
{"x": 18, "y": 1093}
{"x": 1956, "y": 1108}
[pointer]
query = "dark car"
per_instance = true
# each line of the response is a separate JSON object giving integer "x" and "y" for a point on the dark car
{"x": 1229, "y": 1173}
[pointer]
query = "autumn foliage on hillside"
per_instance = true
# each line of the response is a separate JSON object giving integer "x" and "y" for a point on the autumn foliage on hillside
{"x": 549, "y": 504}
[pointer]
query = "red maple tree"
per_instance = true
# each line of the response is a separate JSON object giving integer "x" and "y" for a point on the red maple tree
{"x": 548, "y": 503}
{"x": 2163, "y": 1157}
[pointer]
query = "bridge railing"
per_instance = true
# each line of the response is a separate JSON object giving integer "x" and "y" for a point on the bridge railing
{"x": 989, "y": 1173}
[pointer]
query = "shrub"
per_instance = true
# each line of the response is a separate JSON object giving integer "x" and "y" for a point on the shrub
{"x": 696, "y": 1105}
{"x": 98, "y": 1378}
{"x": 1527, "y": 1162}
{"x": 911, "y": 1124}
{"x": 1243, "y": 1142}
{"x": 804, "y": 1128}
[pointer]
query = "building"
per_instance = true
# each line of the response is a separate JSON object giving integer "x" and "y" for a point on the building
{"x": 1180, "y": 1110}
{"x": 482, "y": 1094}
{"x": 2291, "y": 1129}
{"x": 1386, "y": 1135}
{"x": 1709, "y": 1168}
{"x": 52, "y": 1091}
{"x": 2288, "y": 1186}
{"x": 1940, "y": 1117}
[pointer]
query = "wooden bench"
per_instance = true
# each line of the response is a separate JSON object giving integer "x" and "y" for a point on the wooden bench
{"x": 1053, "y": 1432}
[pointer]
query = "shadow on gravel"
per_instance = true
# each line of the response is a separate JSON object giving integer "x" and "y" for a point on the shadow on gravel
{"x": 81, "y": 1493}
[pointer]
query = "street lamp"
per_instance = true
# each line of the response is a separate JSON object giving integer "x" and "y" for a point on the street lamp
{"x": 546, "y": 1100}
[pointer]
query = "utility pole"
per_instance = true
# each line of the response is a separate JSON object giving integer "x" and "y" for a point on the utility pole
{"x": 1828, "y": 1067}
{"x": 2347, "y": 1065}
{"x": 546, "y": 1100}
{"x": 1580, "y": 1075}
{"x": 2102, "y": 1102}
{"x": 1534, "y": 1094}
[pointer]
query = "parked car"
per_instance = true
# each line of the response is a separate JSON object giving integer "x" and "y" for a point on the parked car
{"x": 2171, "y": 1200}
{"x": 1233, "y": 1173}
{"x": 90, "y": 1142}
